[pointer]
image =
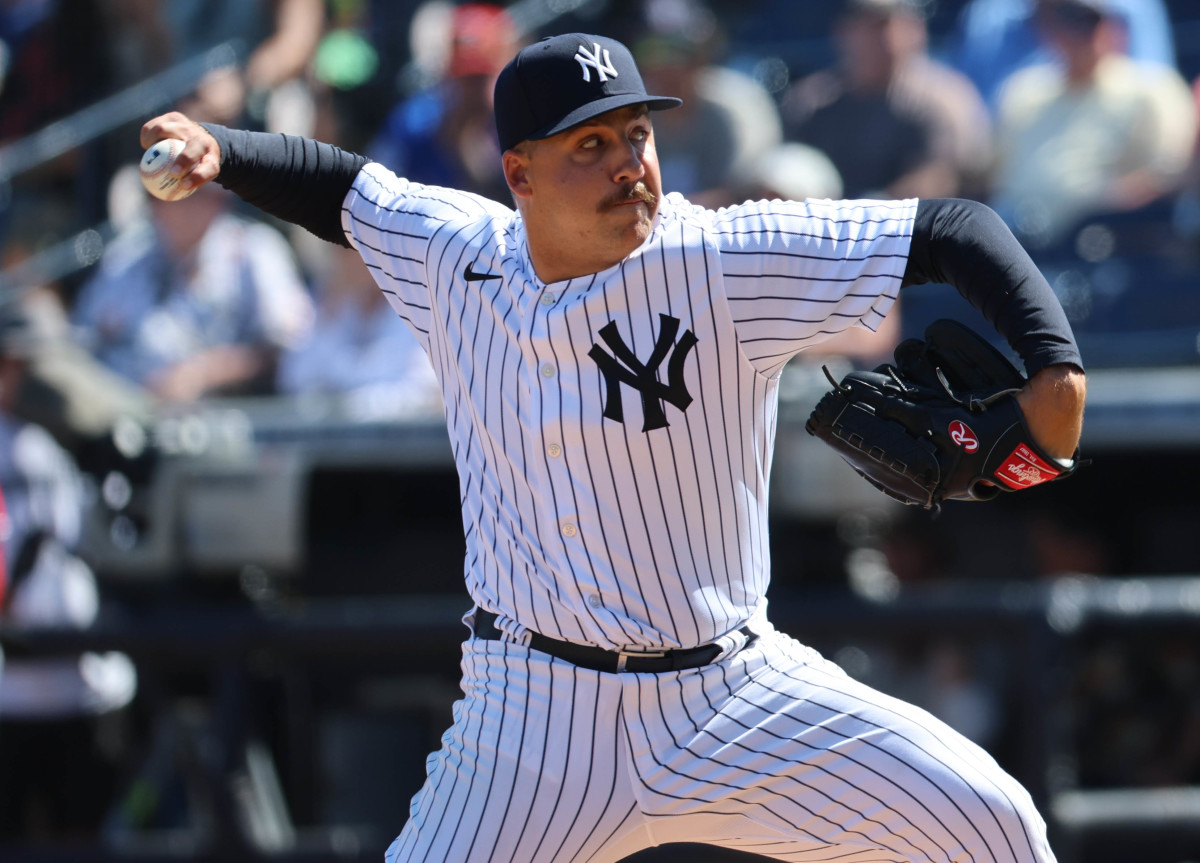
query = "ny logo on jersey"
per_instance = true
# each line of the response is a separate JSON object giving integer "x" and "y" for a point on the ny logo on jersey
{"x": 622, "y": 367}
{"x": 586, "y": 58}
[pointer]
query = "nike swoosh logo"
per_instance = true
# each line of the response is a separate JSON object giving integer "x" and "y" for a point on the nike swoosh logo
{"x": 472, "y": 276}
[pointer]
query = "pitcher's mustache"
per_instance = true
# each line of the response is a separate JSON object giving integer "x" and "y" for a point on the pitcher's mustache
{"x": 634, "y": 192}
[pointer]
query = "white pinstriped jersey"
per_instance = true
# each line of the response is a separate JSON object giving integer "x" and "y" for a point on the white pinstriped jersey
{"x": 613, "y": 433}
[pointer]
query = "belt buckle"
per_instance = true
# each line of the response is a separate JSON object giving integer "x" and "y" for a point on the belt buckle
{"x": 624, "y": 655}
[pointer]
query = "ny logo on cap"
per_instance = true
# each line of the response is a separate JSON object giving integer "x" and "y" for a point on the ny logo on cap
{"x": 591, "y": 58}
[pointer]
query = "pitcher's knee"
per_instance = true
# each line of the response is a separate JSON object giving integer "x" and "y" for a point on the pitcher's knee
{"x": 1006, "y": 828}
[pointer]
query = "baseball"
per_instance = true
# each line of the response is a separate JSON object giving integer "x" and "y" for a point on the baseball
{"x": 155, "y": 169}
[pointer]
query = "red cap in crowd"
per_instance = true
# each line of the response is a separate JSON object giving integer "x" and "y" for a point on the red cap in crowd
{"x": 484, "y": 39}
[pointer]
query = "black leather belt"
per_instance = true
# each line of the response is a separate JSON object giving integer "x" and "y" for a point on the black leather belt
{"x": 612, "y": 661}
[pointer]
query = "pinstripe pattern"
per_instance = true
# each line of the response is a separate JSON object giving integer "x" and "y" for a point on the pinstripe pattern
{"x": 774, "y": 751}
{"x": 613, "y": 436}
{"x": 581, "y": 527}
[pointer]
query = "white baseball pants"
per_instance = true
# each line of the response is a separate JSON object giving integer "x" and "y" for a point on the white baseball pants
{"x": 773, "y": 751}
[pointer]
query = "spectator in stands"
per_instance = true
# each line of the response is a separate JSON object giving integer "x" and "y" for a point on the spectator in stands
{"x": 5, "y": 534}
{"x": 994, "y": 38}
{"x": 63, "y": 388}
{"x": 1185, "y": 216}
{"x": 50, "y": 47}
{"x": 56, "y": 61}
{"x": 886, "y": 88}
{"x": 1094, "y": 132}
{"x": 271, "y": 46}
{"x": 59, "y": 770}
{"x": 444, "y": 134}
{"x": 277, "y": 40}
{"x": 372, "y": 52}
{"x": 727, "y": 120}
{"x": 196, "y": 301}
{"x": 359, "y": 346}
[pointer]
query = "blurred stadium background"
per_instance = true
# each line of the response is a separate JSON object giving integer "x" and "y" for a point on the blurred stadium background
{"x": 285, "y": 573}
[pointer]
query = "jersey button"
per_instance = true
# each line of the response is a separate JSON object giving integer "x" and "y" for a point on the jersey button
{"x": 569, "y": 530}
{"x": 594, "y": 601}
{"x": 547, "y": 371}
{"x": 554, "y": 450}
{"x": 548, "y": 299}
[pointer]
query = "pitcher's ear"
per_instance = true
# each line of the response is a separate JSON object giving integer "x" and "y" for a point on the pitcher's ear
{"x": 516, "y": 171}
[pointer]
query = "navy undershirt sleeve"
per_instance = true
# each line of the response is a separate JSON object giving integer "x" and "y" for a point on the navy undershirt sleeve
{"x": 299, "y": 180}
{"x": 966, "y": 244}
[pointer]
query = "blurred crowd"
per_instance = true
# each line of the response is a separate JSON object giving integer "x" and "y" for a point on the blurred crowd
{"x": 1056, "y": 112}
{"x": 1075, "y": 119}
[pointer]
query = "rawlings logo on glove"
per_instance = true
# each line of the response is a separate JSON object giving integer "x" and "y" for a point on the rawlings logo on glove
{"x": 941, "y": 424}
{"x": 962, "y": 435}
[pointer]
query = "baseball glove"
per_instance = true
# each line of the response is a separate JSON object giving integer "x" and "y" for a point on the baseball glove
{"x": 941, "y": 424}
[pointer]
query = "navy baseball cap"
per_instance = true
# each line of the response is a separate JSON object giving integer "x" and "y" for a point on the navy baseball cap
{"x": 561, "y": 81}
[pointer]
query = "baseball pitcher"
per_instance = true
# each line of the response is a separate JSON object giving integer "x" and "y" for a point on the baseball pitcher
{"x": 610, "y": 358}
